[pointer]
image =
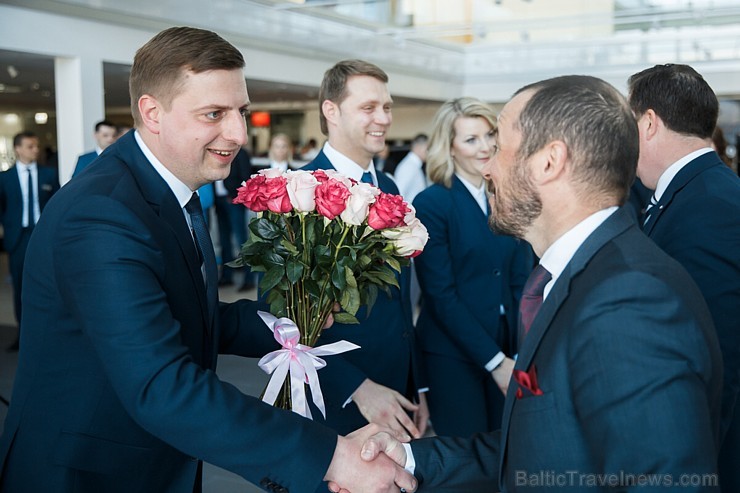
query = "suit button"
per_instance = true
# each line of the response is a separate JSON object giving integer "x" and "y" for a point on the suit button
{"x": 282, "y": 489}
{"x": 496, "y": 272}
{"x": 265, "y": 483}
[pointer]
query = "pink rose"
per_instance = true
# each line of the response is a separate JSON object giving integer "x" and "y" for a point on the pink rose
{"x": 271, "y": 173}
{"x": 252, "y": 194}
{"x": 408, "y": 240}
{"x": 301, "y": 190}
{"x": 320, "y": 175}
{"x": 388, "y": 211}
{"x": 331, "y": 198}
{"x": 276, "y": 191}
{"x": 358, "y": 204}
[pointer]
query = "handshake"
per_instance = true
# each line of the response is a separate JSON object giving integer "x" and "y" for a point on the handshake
{"x": 369, "y": 460}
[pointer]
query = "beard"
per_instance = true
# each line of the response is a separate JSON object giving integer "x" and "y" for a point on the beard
{"x": 515, "y": 205}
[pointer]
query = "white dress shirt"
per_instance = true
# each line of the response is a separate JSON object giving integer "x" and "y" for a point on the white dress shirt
{"x": 22, "y": 169}
{"x": 410, "y": 177}
{"x": 671, "y": 172}
{"x": 282, "y": 166}
{"x": 346, "y": 166}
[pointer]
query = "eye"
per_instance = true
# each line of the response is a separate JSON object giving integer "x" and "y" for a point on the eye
{"x": 213, "y": 115}
{"x": 244, "y": 112}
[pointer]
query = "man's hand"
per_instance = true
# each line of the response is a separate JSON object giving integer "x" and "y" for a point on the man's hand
{"x": 350, "y": 473}
{"x": 421, "y": 415}
{"x": 387, "y": 408}
{"x": 502, "y": 374}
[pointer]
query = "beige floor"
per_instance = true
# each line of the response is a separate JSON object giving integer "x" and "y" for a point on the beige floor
{"x": 241, "y": 372}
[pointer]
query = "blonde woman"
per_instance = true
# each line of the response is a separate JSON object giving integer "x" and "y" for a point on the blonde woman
{"x": 280, "y": 152}
{"x": 471, "y": 278}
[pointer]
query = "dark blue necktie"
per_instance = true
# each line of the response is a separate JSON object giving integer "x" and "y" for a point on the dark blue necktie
{"x": 367, "y": 177}
{"x": 29, "y": 187}
{"x": 205, "y": 250}
{"x": 531, "y": 300}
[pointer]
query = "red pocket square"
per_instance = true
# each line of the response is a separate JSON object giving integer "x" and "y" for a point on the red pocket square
{"x": 527, "y": 380}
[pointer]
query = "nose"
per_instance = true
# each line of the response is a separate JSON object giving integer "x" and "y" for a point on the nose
{"x": 235, "y": 128}
{"x": 383, "y": 116}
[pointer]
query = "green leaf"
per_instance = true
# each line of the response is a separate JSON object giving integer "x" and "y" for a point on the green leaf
{"x": 386, "y": 276}
{"x": 289, "y": 247}
{"x": 272, "y": 278}
{"x": 350, "y": 277}
{"x": 350, "y": 300}
{"x": 345, "y": 318}
{"x": 294, "y": 270}
{"x": 264, "y": 228}
{"x": 273, "y": 259}
{"x": 338, "y": 277}
{"x": 371, "y": 294}
{"x": 279, "y": 307}
{"x": 393, "y": 263}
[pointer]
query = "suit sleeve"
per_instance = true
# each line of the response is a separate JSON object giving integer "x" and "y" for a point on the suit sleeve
{"x": 438, "y": 283}
{"x": 110, "y": 268}
{"x": 637, "y": 338}
{"x": 707, "y": 244}
{"x": 458, "y": 464}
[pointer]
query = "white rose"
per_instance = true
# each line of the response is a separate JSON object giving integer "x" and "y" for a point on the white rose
{"x": 408, "y": 240}
{"x": 302, "y": 190}
{"x": 358, "y": 203}
{"x": 271, "y": 172}
{"x": 336, "y": 175}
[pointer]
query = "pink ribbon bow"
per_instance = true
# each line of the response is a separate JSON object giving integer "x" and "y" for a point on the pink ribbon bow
{"x": 301, "y": 361}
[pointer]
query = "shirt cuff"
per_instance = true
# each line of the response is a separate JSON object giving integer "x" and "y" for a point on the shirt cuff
{"x": 493, "y": 364}
{"x": 410, "y": 461}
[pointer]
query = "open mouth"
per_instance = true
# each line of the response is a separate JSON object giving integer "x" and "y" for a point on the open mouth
{"x": 376, "y": 134}
{"x": 221, "y": 153}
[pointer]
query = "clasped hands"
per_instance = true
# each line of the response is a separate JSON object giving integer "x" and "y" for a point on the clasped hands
{"x": 370, "y": 460}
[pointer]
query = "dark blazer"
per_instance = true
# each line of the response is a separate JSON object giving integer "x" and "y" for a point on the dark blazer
{"x": 11, "y": 201}
{"x": 115, "y": 389}
{"x": 241, "y": 170}
{"x": 387, "y": 355}
{"x": 466, "y": 273}
{"x": 697, "y": 222}
{"x": 84, "y": 161}
{"x": 628, "y": 364}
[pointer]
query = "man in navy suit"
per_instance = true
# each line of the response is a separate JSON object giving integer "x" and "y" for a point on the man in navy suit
{"x": 115, "y": 388}
{"x": 618, "y": 379}
{"x": 696, "y": 215}
{"x": 105, "y": 134}
{"x": 24, "y": 191}
{"x": 375, "y": 383}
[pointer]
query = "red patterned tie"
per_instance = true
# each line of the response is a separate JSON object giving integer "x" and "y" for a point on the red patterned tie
{"x": 532, "y": 299}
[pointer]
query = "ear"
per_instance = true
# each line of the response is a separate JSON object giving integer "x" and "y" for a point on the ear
{"x": 550, "y": 162}
{"x": 330, "y": 111}
{"x": 150, "y": 110}
{"x": 648, "y": 125}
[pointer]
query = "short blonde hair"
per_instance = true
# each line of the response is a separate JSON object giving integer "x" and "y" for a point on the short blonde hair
{"x": 440, "y": 166}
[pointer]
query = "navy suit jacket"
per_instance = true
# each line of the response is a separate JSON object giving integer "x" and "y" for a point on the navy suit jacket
{"x": 628, "y": 364}
{"x": 11, "y": 201}
{"x": 386, "y": 338}
{"x": 84, "y": 161}
{"x": 697, "y": 222}
{"x": 466, "y": 273}
{"x": 115, "y": 388}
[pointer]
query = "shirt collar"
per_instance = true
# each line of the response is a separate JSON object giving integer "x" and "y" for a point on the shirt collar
{"x": 667, "y": 177}
{"x": 562, "y": 251}
{"x": 23, "y": 167}
{"x": 98, "y": 150}
{"x": 479, "y": 194}
{"x": 182, "y": 191}
{"x": 346, "y": 166}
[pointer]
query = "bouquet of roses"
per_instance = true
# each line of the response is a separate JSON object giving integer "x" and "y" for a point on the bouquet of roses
{"x": 320, "y": 238}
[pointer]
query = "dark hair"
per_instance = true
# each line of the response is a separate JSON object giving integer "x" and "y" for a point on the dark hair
{"x": 334, "y": 84}
{"x": 160, "y": 65}
{"x": 420, "y": 139}
{"x": 105, "y": 123}
{"x": 679, "y": 95}
{"x": 593, "y": 120}
{"x": 18, "y": 138}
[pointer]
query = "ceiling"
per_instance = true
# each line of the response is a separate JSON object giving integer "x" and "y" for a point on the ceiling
{"x": 459, "y": 40}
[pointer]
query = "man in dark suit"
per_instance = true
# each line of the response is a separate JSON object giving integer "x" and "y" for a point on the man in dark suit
{"x": 618, "y": 378}
{"x": 105, "y": 134}
{"x": 115, "y": 389}
{"x": 24, "y": 191}
{"x": 232, "y": 226}
{"x": 375, "y": 383}
{"x": 696, "y": 215}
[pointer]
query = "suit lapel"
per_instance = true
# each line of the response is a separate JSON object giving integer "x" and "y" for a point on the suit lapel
{"x": 613, "y": 226}
{"x": 682, "y": 178}
{"x": 164, "y": 203}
